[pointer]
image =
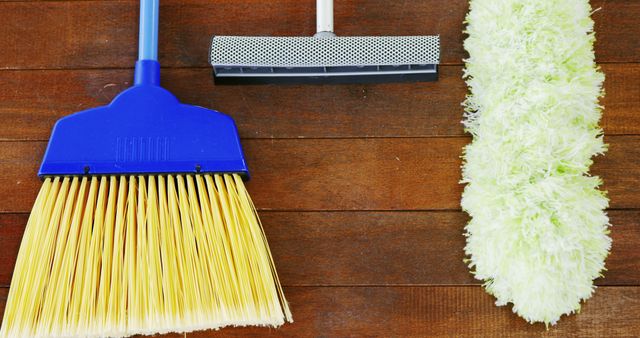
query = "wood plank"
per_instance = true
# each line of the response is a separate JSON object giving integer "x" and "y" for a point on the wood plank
{"x": 365, "y": 248}
{"x": 345, "y": 174}
{"x": 11, "y": 231}
{"x": 98, "y": 34}
{"x": 31, "y": 102}
{"x": 438, "y": 312}
{"x": 434, "y": 312}
{"x": 622, "y": 88}
{"x": 4, "y": 292}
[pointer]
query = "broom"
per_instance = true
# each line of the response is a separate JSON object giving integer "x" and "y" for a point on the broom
{"x": 143, "y": 224}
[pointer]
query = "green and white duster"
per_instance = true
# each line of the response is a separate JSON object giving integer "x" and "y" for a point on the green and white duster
{"x": 538, "y": 234}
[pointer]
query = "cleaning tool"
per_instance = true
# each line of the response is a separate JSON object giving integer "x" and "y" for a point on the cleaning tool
{"x": 324, "y": 58}
{"x": 538, "y": 234}
{"x": 143, "y": 224}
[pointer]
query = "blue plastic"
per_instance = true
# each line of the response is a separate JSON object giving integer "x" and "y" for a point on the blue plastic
{"x": 144, "y": 130}
{"x": 148, "y": 38}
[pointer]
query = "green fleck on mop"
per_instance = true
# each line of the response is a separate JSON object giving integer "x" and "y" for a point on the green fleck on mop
{"x": 538, "y": 234}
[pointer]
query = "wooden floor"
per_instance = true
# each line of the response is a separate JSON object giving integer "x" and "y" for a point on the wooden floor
{"x": 357, "y": 185}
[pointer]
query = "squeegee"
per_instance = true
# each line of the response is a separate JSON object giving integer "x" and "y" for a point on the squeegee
{"x": 324, "y": 57}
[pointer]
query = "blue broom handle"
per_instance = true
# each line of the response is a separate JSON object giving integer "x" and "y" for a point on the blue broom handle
{"x": 147, "y": 68}
{"x": 148, "y": 49}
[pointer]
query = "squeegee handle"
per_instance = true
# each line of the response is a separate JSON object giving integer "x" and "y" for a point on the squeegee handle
{"x": 324, "y": 16}
{"x": 147, "y": 67}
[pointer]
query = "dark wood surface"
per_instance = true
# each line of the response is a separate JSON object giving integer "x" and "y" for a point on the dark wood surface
{"x": 32, "y": 100}
{"x": 357, "y": 185}
{"x": 98, "y": 34}
{"x": 345, "y": 174}
{"x": 432, "y": 311}
{"x": 375, "y": 248}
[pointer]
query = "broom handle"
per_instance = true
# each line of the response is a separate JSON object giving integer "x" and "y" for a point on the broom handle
{"x": 147, "y": 68}
{"x": 149, "y": 29}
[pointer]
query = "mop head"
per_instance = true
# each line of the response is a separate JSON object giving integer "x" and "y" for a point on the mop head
{"x": 538, "y": 234}
{"x": 117, "y": 256}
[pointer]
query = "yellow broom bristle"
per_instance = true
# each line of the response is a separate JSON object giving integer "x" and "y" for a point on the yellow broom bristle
{"x": 117, "y": 256}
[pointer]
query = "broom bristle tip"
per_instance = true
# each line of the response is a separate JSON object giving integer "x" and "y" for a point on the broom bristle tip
{"x": 130, "y": 254}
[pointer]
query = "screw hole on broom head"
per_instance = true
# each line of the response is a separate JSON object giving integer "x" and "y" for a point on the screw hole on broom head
{"x": 86, "y": 169}
{"x": 198, "y": 168}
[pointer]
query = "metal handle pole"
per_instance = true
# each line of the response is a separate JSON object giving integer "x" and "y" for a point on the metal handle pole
{"x": 324, "y": 21}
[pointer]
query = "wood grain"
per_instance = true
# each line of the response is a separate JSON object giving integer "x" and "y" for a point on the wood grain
{"x": 344, "y": 174}
{"x": 374, "y": 248}
{"x": 434, "y": 312}
{"x": 33, "y": 100}
{"x": 103, "y": 34}
{"x": 4, "y": 292}
{"x": 357, "y": 185}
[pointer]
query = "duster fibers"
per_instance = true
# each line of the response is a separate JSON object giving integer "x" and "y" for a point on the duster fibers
{"x": 538, "y": 234}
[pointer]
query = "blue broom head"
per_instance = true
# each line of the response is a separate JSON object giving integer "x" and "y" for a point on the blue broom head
{"x": 144, "y": 130}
